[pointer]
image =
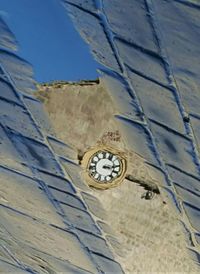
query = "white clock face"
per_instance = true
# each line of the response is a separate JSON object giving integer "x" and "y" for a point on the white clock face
{"x": 105, "y": 166}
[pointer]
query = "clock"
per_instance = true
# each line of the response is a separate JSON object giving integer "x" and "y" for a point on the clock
{"x": 104, "y": 167}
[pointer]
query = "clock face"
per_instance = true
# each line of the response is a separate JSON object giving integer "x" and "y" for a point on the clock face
{"x": 104, "y": 166}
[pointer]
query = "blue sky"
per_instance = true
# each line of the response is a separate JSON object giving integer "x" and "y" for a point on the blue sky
{"x": 48, "y": 40}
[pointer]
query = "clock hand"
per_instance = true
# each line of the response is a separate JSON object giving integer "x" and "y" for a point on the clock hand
{"x": 107, "y": 167}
